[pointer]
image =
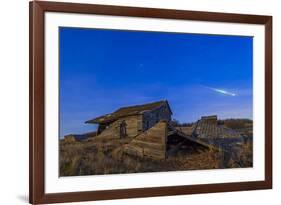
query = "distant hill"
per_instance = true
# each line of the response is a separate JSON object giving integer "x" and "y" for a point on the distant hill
{"x": 237, "y": 123}
{"x": 79, "y": 137}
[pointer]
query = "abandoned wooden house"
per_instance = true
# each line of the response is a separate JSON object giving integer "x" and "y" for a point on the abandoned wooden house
{"x": 208, "y": 128}
{"x": 150, "y": 129}
{"x": 132, "y": 120}
{"x": 161, "y": 141}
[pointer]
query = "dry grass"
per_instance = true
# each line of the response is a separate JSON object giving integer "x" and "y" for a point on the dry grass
{"x": 88, "y": 158}
{"x": 99, "y": 156}
{"x": 242, "y": 156}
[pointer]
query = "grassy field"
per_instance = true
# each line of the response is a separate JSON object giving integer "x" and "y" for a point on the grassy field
{"x": 105, "y": 156}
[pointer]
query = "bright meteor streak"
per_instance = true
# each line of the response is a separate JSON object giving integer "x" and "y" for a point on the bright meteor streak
{"x": 221, "y": 91}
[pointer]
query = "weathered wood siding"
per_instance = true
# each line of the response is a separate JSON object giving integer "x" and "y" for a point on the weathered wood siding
{"x": 139, "y": 123}
{"x": 150, "y": 118}
{"x": 132, "y": 128}
{"x": 150, "y": 144}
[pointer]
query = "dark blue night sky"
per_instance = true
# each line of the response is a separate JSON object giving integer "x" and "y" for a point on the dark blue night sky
{"x": 102, "y": 70}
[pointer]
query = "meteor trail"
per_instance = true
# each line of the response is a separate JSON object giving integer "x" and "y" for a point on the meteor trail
{"x": 221, "y": 91}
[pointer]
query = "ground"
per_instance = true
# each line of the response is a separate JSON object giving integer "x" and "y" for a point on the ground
{"x": 105, "y": 156}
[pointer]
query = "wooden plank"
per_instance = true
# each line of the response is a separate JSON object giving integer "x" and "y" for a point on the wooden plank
{"x": 155, "y": 154}
{"x": 148, "y": 144}
{"x": 152, "y": 142}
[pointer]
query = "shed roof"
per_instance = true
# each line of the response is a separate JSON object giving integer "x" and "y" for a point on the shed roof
{"x": 211, "y": 117}
{"x": 128, "y": 111}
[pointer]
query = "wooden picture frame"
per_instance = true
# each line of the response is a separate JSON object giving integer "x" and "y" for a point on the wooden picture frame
{"x": 37, "y": 193}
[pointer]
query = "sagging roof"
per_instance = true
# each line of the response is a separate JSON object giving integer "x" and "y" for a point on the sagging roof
{"x": 128, "y": 111}
{"x": 196, "y": 140}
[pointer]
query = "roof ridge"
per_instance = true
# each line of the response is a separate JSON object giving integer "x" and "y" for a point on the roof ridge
{"x": 129, "y": 110}
{"x": 139, "y": 105}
